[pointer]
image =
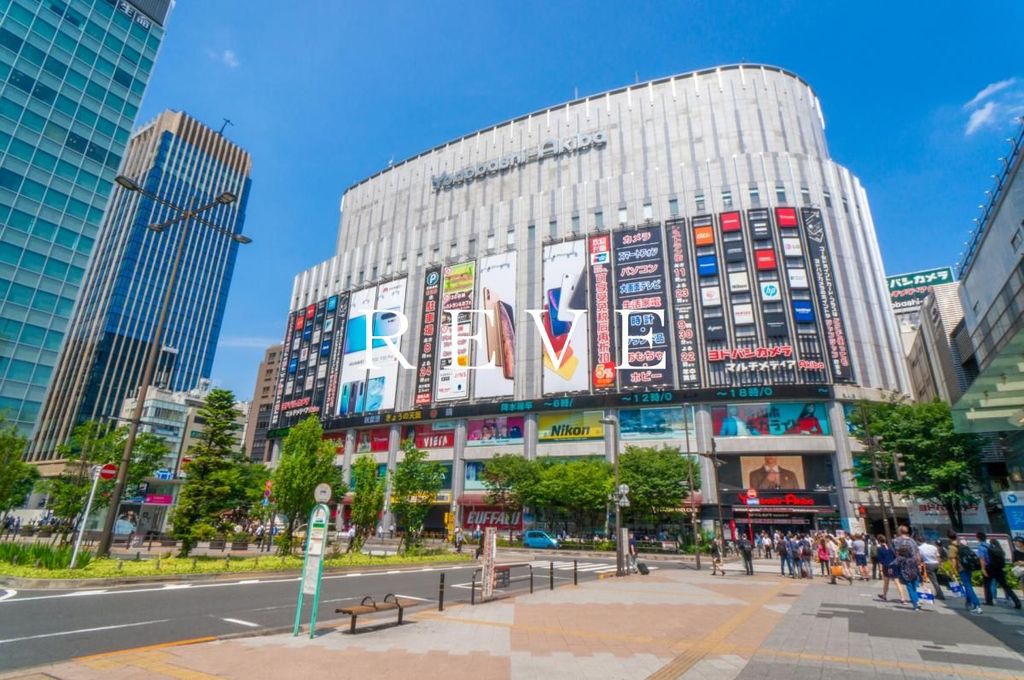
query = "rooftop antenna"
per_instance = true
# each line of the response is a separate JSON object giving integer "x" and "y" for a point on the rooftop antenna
{"x": 227, "y": 122}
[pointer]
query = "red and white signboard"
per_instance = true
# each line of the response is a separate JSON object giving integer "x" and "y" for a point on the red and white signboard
{"x": 492, "y": 516}
{"x": 108, "y": 471}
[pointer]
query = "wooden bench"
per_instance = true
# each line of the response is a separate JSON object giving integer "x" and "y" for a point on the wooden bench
{"x": 369, "y": 606}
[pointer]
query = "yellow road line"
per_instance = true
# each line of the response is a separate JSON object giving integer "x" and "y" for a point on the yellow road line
{"x": 146, "y": 648}
{"x": 696, "y": 652}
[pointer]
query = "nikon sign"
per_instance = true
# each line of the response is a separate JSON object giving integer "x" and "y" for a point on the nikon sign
{"x": 552, "y": 148}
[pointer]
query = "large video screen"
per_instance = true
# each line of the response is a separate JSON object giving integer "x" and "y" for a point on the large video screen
{"x": 776, "y": 472}
{"x": 565, "y": 346}
{"x": 769, "y": 419}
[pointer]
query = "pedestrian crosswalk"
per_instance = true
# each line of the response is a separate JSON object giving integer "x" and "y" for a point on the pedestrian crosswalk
{"x": 582, "y": 567}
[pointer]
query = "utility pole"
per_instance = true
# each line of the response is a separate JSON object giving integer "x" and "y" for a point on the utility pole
{"x": 873, "y": 445}
{"x": 689, "y": 466}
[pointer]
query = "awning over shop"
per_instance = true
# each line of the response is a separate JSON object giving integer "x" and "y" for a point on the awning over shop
{"x": 995, "y": 401}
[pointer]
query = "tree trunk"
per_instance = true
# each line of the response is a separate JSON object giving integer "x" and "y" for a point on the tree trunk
{"x": 954, "y": 511}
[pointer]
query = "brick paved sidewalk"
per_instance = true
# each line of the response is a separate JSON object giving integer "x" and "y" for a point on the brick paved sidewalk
{"x": 673, "y": 623}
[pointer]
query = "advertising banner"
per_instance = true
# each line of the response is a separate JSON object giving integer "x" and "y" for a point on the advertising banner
{"x": 282, "y": 371}
{"x": 640, "y": 287}
{"x": 382, "y": 380}
{"x": 428, "y": 336}
{"x": 655, "y": 423}
{"x": 770, "y": 472}
{"x": 372, "y": 441}
{"x": 828, "y": 296}
{"x": 575, "y": 425}
{"x": 475, "y": 475}
{"x": 908, "y": 291}
{"x": 929, "y": 512}
{"x": 602, "y": 316}
{"x": 356, "y": 355}
{"x": 497, "y": 286}
{"x": 456, "y": 294}
{"x": 439, "y": 435}
{"x": 760, "y": 223}
{"x": 1013, "y": 507}
{"x": 751, "y": 420}
{"x": 682, "y": 303}
{"x": 494, "y": 431}
{"x": 565, "y": 291}
{"x": 482, "y": 516}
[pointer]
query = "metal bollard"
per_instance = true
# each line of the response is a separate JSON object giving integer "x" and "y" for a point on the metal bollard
{"x": 531, "y": 579}
{"x": 472, "y": 590}
{"x": 551, "y": 575}
{"x": 440, "y": 593}
{"x": 575, "y": 573}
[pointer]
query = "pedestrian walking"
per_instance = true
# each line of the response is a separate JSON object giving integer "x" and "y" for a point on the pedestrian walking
{"x": 859, "y": 548}
{"x": 391, "y": 530}
{"x": 747, "y": 552}
{"x": 873, "y": 556}
{"x": 965, "y": 562}
{"x": 887, "y": 561}
{"x": 633, "y": 553}
{"x": 782, "y": 548}
{"x": 716, "y": 556}
{"x": 993, "y": 570}
{"x": 380, "y": 531}
{"x": 823, "y": 556}
{"x": 929, "y": 553}
{"x": 1017, "y": 560}
{"x": 458, "y": 539}
{"x": 908, "y": 564}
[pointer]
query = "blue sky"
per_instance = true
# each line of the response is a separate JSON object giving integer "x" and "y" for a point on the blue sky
{"x": 918, "y": 101}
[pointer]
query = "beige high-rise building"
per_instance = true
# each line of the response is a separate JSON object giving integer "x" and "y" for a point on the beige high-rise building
{"x": 262, "y": 404}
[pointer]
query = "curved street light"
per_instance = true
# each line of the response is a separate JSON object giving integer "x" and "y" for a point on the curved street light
{"x": 186, "y": 216}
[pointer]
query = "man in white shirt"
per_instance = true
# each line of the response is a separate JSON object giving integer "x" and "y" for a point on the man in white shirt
{"x": 930, "y": 556}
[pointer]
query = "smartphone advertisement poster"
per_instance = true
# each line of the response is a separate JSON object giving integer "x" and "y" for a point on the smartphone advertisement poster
{"x": 565, "y": 299}
{"x": 497, "y": 298}
{"x": 456, "y": 294}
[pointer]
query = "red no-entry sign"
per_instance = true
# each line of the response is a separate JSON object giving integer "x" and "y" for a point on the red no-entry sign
{"x": 108, "y": 471}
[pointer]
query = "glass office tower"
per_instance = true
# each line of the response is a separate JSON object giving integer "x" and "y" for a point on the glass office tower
{"x": 72, "y": 75}
{"x": 180, "y": 160}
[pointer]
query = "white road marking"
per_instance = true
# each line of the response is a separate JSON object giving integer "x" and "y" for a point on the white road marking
{"x": 8, "y": 594}
{"x": 413, "y": 597}
{"x": 176, "y": 586}
{"x": 249, "y": 582}
{"x": 82, "y": 630}
{"x": 240, "y": 622}
{"x": 82, "y": 593}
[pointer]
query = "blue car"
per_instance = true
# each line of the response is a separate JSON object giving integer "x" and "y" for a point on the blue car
{"x": 538, "y": 539}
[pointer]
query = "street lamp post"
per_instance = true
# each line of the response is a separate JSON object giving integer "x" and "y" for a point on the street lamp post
{"x": 186, "y": 217}
{"x": 689, "y": 466}
{"x": 618, "y": 496}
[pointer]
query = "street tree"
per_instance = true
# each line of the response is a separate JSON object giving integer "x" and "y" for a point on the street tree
{"x": 579, "y": 488}
{"x": 413, "y": 488}
{"x": 509, "y": 479}
{"x": 658, "y": 479}
{"x": 920, "y": 454}
{"x": 367, "y": 499}
{"x": 222, "y": 485}
{"x": 17, "y": 478}
{"x": 307, "y": 459}
{"x": 91, "y": 443}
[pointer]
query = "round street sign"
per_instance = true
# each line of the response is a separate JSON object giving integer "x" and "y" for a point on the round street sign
{"x": 623, "y": 489}
{"x": 322, "y": 493}
{"x": 108, "y": 471}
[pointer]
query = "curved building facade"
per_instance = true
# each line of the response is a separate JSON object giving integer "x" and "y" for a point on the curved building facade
{"x": 697, "y": 221}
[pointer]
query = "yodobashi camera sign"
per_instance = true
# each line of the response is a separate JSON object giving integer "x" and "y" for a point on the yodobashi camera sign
{"x": 552, "y": 148}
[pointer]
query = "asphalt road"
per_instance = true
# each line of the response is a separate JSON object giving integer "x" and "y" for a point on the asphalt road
{"x": 44, "y": 626}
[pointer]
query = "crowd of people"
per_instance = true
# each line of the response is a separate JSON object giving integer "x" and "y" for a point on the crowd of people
{"x": 911, "y": 565}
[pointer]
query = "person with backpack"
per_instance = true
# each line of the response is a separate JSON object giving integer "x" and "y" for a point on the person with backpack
{"x": 908, "y": 563}
{"x": 783, "y": 547}
{"x": 993, "y": 569}
{"x": 964, "y": 562}
{"x": 747, "y": 551}
{"x": 716, "y": 556}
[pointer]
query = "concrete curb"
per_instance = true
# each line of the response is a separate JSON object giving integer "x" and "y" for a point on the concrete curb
{"x": 76, "y": 583}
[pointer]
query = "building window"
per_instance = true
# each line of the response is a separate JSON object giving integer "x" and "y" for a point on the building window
{"x": 1015, "y": 241}
{"x": 472, "y": 246}
{"x": 599, "y": 219}
{"x": 510, "y": 237}
{"x": 455, "y": 248}
{"x": 755, "y": 196}
{"x": 405, "y": 263}
{"x": 673, "y": 207}
{"x": 419, "y": 259}
{"x": 623, "y": 216}
{"x": 574, "y": 225}
{"x": 373, "y": 273}
{"x": 805, "y": 195}
{"x": 490, "y": 242}
{"x": 846, "y": 206}
{"x": 726, "y": 198}
{"x": 780, "y": 194}
{"x": 648, "y": 212}
{"x": 828, "y": 200}
{"x": 700, "y": 203}
{"x": 435, "y": 254}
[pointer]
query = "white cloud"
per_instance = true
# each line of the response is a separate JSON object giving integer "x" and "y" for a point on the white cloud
{"x": 990, "y": 90}
{"x": 980, "y": 117}
{"x": 246, "y": 342}
{"x": 230, "y": 59}
{"x": 997, "y": 105}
